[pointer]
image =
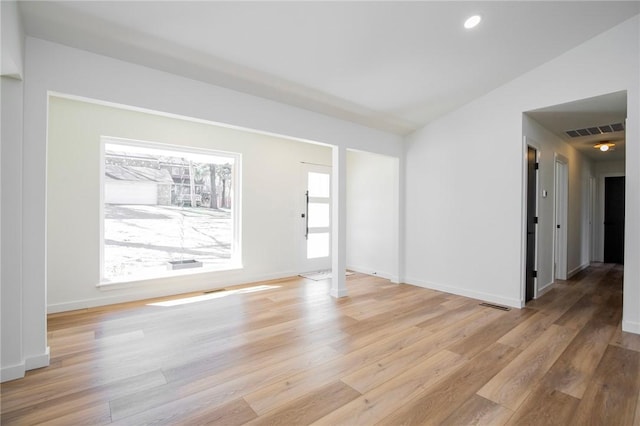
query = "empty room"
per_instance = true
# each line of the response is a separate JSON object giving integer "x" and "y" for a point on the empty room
{"x": 325, "y": 213}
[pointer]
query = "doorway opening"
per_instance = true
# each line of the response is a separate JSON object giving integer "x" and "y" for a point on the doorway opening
{"x": 614, "y": 201}
{"x": 532, "y": 221}
{"x": 572, "y": 226}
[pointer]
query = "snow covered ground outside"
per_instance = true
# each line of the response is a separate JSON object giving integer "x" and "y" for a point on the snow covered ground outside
{"x": 141, "y": 239}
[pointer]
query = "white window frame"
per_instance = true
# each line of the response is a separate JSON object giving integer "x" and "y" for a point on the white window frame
{"x": 235, "y": 261}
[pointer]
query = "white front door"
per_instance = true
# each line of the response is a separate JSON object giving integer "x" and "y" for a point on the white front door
{"x": 315, "y": 230}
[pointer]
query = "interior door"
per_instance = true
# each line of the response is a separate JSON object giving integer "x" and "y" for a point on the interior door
{"x": 532, "y": 199}
{"x": 614, "y": 219}
{"x": 315, "y": 232}
{"x": 561, "y": 210}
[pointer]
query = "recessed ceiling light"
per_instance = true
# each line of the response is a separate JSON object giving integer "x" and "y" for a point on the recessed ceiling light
{"x": 472, "y": 21}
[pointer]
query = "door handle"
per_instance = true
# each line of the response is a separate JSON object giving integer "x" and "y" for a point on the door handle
{"x": 306, "y": 217}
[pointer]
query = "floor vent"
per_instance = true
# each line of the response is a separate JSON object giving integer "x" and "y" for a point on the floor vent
{"x": 214, "y": 291}
{"x": 491, "y": 305}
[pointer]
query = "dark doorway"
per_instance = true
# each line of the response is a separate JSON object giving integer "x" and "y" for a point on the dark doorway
{"x": 532, "y": 198}
{"x": 614, "y": 219}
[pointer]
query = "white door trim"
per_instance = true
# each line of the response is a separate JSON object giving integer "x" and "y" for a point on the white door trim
{"x": 593, "y": 226}
{"x": 560, "y": 216}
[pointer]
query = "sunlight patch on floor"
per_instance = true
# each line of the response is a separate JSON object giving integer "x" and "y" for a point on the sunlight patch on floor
{"x": 214, "y": 295}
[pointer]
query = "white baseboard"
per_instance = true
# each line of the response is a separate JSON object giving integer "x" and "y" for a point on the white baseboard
{"x": 149, "y": 289}
{"x": 339, "y": 293}
{"x": 631, "y": 326}
{"x": 12, "y": 372}
{"x": 368, "y": 271}
{"x": 487, "y": 297}
{"x": 574, "y": 271}
{"x": 38, "y": 361}
{"x": 542, "y": 290}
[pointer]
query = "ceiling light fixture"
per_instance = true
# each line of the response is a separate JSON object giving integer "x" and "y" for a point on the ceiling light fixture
{"x": 472, "y": 21}
{"x": 604, "y": 146}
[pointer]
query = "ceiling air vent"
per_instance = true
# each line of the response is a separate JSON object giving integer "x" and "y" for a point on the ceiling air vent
{"x": 590, "y": 131}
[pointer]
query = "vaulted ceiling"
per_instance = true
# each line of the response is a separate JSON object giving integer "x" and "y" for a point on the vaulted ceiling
{"x": 394, "y": 66}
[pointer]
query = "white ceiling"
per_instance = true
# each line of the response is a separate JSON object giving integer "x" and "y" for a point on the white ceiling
{"x": 388, "y": 65}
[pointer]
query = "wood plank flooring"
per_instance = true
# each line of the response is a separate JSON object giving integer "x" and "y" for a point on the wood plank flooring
{"x": 285, "y": 353}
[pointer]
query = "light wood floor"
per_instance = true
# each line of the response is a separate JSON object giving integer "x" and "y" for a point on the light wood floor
{"x": 284, "y": 352}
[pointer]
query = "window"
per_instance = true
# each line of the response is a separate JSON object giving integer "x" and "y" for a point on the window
{"x": 167, "y": 210}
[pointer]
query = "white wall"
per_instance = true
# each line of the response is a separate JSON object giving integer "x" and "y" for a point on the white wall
{"x": 609, "y": 167}
{"x": 71, "y": 71}
{"x": 269, "y": 219}
{"x": 12, "y": 59}
{"x": 464, "y": 176}
{"x": 12, "y": 353}
{"x": 11, "y": 229}
{"x": 372, "y": 214}
{"x": 578, "y": 226}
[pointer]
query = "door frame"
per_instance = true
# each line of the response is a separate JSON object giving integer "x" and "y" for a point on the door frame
{"x": 528, "y": 143}
{"x": 560, "y": 216}
{"x": 600, "y": 225}
{"x": 599, "y": 249}
{"x": 303, "y": 263}
{"x": 593, "y": 215}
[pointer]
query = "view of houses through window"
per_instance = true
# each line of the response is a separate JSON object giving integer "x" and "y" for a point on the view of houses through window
{"x": 165, "y": 210}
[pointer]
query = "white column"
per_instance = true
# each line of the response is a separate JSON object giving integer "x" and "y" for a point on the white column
{"x": 12, "y": 363}
{"x": 34, "y": 217}
{"x": 11, "y": 354}
{"x": 338, "y": 222}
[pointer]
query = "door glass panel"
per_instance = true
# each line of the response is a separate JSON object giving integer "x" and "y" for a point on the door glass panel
{"x": 318, "y": 245}
{"x": 318, "y": 215}
{"x": 319, "y": 184}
